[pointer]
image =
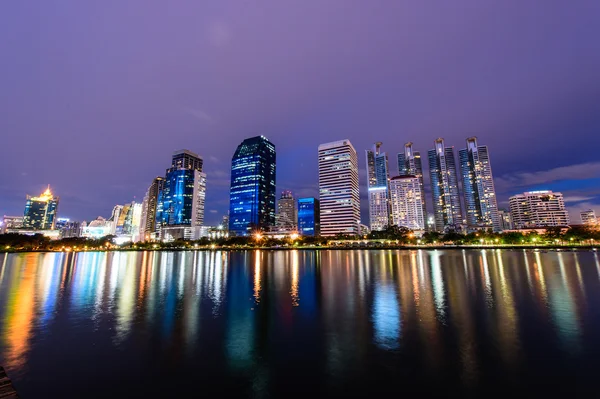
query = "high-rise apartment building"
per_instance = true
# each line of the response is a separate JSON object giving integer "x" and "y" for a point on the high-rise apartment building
{"x": 378, "y": 187}
{"x": 11, "y": 222}
{"x": 478, "y": 187}
{"x": 407, "y": 204}
{"x": 444, "y": 186}
{"x": 252, "y": 191}
{"x": 538, "y": 209}
{"x": 589, "y": 217}
{"x": 308, "y": 217}
{"x": 505, "y": 219}
{"x": 338, "y": 189}
{"x": 287, "y": 216}
{"x": 409, "y": 164}
{"x": 40, "y": 212}
{"x": 180, "y": 203}
{"x": 149, "y": 205}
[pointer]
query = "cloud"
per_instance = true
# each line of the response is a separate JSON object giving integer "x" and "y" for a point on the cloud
{"x": 576, "y": 198}
{"x": 212, "y": 158}
{"x": 582, "y": 171}
{"x": 200, "y": 115}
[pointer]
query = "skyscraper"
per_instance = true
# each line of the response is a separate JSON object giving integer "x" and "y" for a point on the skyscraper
{"x": 252, "y": 192}
{"x": 287, "y": 216}
{"x": 180, "y": 203}
{"x": 148, "y": 223}
{"x": 40, "y": 212}
{"x": 409, "y": 164}
{"x": 478, "y": 187}
{"x": 407, "y": 204}
{"x": 538, "y": 209}
{"x": 589, "y": 217}
{"x": 444, "y": 186}
{"x": 308, "y": 217}
{"x": 338, "y": 188}
{"x": 378, "y": 185}
{"x": 505, "y": 219}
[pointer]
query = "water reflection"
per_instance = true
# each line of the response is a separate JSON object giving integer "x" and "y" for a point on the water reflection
{"x": 261, "y": 312}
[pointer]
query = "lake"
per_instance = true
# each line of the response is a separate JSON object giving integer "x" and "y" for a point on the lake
{"x": 277, "y": 323}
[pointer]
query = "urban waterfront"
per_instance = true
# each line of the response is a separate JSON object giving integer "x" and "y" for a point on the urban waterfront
{"x": 273, "y": 323}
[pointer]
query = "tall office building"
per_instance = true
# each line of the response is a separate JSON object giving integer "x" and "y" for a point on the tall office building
{"x": 148, "y": 222}
{"x": 538, "y": 209}
{"x": 589, "y": 217}
{"x": 407, "y": 204}
{"x": 338, "y": 188}
{"x": 478, "y": 187}
{"x": 378, "y": 185}
{"x": 409, "y": 164}
{"x": 505, "y": 219}
{"x": 308, "y": 217}
{"x": 252, "y": 192}
{"x": 444, "y": 186}
{"x": 40, "y": 212}
{"x": 180, "y": 203}
{"x": 287, "y": 216}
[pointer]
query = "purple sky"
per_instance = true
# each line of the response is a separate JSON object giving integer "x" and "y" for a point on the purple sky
{"x": 95, "y": 95}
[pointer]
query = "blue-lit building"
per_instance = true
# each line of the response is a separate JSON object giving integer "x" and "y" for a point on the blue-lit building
{"x": 308, "y": 217}
{"x": 252, "y": 191}
{"x": 40, "y": 212}
{"x": 444, "y": 187}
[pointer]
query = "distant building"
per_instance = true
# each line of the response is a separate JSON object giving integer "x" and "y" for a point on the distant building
{"x": 505, "y": 219}
{"x": 409, "y": 164}
{"x": 97, "y": 228}
{"x": 589, "y": 217}
{"x": 444, "y": 186}
{"x": 11, "y": 222}
{"x": 478, "y": 187}
{"x": 68, "y": 228}
{"x": 40, "y": 212}
{"x": 287, "y": 215}
{"x": 149, "y": 206}
{"x": 407, "y": 205}
{"x": 378, "y": 188}
{"x": 538, "y": 209}
{"x": 308, "y": 217}
{"x": 252, "y": 191}
{"x": 338, "y": 189}
{"x": 363, "y": 229}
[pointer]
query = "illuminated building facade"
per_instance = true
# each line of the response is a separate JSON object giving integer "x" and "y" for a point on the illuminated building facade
{"x": 444, "y": 187}
{"x": 505, "y": 219}
{"x": 538, "y": 209}
{"x": 97, "y": 228}
{"x": 252, "y": 190}
{"x": 308, "y": 217}
{"x": 287, "y": 215}
{"x": 589, "y": 217}
{"x": 149, "y": 206}
{"x": 378, "y": 186}
{"x": 407, "y": 204}
{"x": 409, "y": 164}
{"x": 11, "y": 222}
{"x": 40, "y": 212}
{"x": 338, "y": 189}
{"x": 478, "y": 187}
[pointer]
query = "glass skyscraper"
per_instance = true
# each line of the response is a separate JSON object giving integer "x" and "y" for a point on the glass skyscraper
{"x": 478, "y": 187}
{"x": 252, "y": 191}
{"x": 308, "y": 217}
{"x": 40, "y": 212}
{"x": 444, "y": 186}
{"x": 378, "y": 185}
{"x": 409, "y": 164}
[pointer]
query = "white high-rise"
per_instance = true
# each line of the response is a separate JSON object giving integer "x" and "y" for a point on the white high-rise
{"x": 378, "y": 185}
{"x": 538, "y": 209}
{"x": 338, "y": 188}
{"x": 407, "y": 203}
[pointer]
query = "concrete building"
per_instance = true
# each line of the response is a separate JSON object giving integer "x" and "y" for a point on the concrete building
{"x": 538, "y": 209}
{"x": 589, "y": 217}
{"x": 12, "y": 223}
{"x": 287, "y": 215}
{"x": 407, "y": 204}
{"x": 505, "y": 219}
{"x": 410, "y": 164}
{"x": 378, "y": 188}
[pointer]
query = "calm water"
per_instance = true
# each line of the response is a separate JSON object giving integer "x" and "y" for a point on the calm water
{"x": 262, "y": 323}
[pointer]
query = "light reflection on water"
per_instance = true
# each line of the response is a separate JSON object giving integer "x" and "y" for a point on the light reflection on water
{"x": 254, "y": 317}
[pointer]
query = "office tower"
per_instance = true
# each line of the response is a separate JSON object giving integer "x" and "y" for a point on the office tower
{"x": 252, "y": 192}
{"x": 589, "y": 217}
{"x": 505, "y": 219}
{"x": 338, "y": 189}
{"x": 40, "y": 212}
{"x": 378, "y": 178}
{"x": 308, "y": 217}
{"x": 409, "y": 164}
{"x": 180, "y": 203}
{"x": 407, "y": 204}
{"x": 538, "y": 209}
{"x": 444, "y": 186}
{"x": 148, "y": 222}
{"x": 67, "y": 228}
{"x": 287, "y": 216}
{"x": 478, "y": 187}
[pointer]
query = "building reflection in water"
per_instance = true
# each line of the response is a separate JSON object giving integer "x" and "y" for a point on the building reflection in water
{"x": 338, "y": 306}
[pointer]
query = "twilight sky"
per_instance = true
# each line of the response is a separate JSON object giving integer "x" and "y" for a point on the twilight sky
{"x": 95, "y": 95}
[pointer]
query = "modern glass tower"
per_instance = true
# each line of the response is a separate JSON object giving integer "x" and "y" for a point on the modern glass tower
{"x": 308, "y": 217}
{"x": 40, "y": 212}
{"x": 338, "y": 188}
{"x": 444, "y": 186}
{"x": 252, "y": 191}
{"x": 149, "y": 206}
{"x": 478, "y": 187}
{"x": 409, "y": 164}
{"x": 378, "y": 185}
